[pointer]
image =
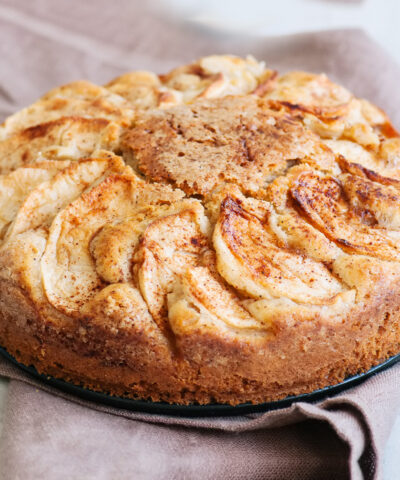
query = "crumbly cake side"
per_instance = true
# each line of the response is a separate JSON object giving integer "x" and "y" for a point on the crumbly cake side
{"x": 220, "y": 233}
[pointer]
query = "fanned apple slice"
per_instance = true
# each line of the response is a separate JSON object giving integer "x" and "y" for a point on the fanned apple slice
{"x": 112, "y": 248}
{"x": 208, "y": 77}
{"x": 167, "y": 248}
{"x": 67, "y": 138}
{"x": 76, "y": 99}
{"x": 69, "y": 272}
{"x": 360, "y": 170}
{"x": 201, "y": 303}
{"x": 251, "y": 259}
{"x": 311, "y": 93}
{"x": 323, "y": 201}
{"x": 291, "y": 228}
{"x": 382, "y": 166}
{"x": 141, "y": 89}
{"x": 20, "y": 263}
{"x": 373, "y": 201}
{"x": 352, "y": 154}
{"x": 218, "y": 76}
{"x": 275, "y": 311}
{"x": 26, "y": 238}
{"x": 45, "y": 201}
{"x": 15, "y": 186}
{"x": 329, "y": 109}
{"x": 389, "y": 151}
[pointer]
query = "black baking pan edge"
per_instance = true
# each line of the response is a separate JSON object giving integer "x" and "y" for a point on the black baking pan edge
{"x": 211, "y": 410}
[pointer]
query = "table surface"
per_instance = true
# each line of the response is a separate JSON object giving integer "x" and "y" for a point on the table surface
{"x": 379, "y": 18}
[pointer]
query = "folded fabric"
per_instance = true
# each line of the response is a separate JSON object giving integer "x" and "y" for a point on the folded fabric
{"x": 50, "y": 434}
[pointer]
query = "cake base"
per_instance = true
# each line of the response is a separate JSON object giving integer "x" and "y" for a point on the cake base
{"x": 211, "y": 410}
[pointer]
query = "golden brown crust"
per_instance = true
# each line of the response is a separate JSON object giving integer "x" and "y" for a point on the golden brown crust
{"x": 251, "y": 253}
{"x": 324, "y": 201}
{"x": 232, "y": 139}
{"x": 209, "y": 77}
{"x": 76, "y": 99}
{"x": 68, "y": 138}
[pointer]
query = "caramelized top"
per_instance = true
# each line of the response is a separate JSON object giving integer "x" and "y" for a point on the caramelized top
{"x": 220, "y": 198}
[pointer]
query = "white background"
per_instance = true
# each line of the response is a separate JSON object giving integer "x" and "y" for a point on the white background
{"x": 380, "y": 18}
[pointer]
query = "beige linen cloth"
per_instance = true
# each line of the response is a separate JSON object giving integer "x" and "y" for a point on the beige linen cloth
{"x": 50, "y": 435}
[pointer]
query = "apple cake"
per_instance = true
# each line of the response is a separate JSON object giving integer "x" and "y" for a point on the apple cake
{"x": 221, "y": 233}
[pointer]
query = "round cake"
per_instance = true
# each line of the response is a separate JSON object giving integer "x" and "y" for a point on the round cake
{"x": 221, "y": 233}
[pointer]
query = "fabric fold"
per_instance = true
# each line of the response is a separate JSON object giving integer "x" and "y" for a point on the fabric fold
{"x": 350, "y": 430}
{"x": 49, "y": 437}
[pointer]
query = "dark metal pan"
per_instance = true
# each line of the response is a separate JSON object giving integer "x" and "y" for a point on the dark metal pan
{"x": 200, "y": 410}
